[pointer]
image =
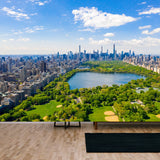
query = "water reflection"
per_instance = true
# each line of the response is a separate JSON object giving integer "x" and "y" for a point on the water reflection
{"x": 92, "y": 79}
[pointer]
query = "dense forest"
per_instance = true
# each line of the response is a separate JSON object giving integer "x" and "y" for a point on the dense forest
{"x": 78, "y": 104}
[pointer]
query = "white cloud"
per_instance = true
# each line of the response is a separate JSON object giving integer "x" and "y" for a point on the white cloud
{"x": 151, "y": 11}
{"x": 86, "y": 30}
{"x": 156, "y": 30}
{"x": 40, "y": 3}
{"x": 142, "y": 3}
{"x": 11, "y": 39}
{"x": 146, "y": 45}
{"x": 17, "y": 14}
{"x": 104, "y": 41}
{"x": 34, "y": 14}
{"x": 142, "y": 42}
{"x": 38, "y": 28}
{"x": 29, "y": 30}
{"x": 91, "y": 17}
{"x": 17, "y": 32}
{"x": 54, "y": 30}
{"x": 19, "y": 10}
{"x": 34, "y": 29}
{"x": 15, "y": 40}
{"x": 145, "y": 27}
{"x": 81, "y": 39}
{"x": 109, "y": 34}
{"x": 23, "y": 39}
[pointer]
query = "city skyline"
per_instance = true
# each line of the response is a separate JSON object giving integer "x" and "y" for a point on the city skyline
{"x": 45, "y": 27}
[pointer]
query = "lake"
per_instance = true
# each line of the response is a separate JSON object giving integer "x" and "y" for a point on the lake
{"x": 93, "y": 79}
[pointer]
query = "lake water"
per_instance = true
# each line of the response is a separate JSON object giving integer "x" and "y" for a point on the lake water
{"x": 93, "y": 79}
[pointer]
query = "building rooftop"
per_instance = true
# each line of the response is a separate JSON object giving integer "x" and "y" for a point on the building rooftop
{"x": 42, "y": 141}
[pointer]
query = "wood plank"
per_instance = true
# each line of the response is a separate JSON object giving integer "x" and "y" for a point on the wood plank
{"x": 44, "y": 141}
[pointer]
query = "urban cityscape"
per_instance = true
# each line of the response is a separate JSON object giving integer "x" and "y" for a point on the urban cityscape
{"x": 23, "y": 76}
{"x": 79, "y": 80}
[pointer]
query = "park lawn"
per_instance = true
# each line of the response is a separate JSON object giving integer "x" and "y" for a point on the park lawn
{"x": 157, "y": 104}
{"x": 110, "y": 69}
{"x": 46, "y": 109}
{"x": 153, "y": 118}
{"x": 98, "y": 114}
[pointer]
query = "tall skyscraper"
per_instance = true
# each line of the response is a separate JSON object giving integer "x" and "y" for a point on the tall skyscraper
{"x": 101, "y": 49}
{"x": 114, "y": 51}
{"x": 107, "y": 52}
{"x": 79, "y": 48}
{"x": 10, "y": 65}
{"x": 23, "y": 74}
{"x": 43, "y": 67}
{"x": 4, "y": 67}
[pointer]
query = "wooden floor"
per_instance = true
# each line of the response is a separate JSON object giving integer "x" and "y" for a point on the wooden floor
{"x": 41, "y": 141}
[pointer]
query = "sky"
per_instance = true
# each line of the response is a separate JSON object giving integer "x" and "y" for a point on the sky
{"x": 48, "y": 26}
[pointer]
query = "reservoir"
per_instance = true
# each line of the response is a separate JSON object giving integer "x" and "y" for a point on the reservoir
{"x": 93, "y": 79}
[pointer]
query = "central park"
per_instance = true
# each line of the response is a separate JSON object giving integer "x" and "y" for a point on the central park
{"x": 132, "y": 96}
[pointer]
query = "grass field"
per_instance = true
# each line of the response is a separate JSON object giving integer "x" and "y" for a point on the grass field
{"x": 157, "y": 104}
{"x": 46, "y": 109}
{"x": 153, "y": 118}
{"x": 98, "y": 113}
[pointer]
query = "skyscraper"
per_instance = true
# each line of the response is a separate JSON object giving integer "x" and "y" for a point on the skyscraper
{"x": 10, "y": 65}
{"x": 79, "y": 48}
{"x": 23, "y": 74}
{"x": 114, "y": 51}
{"x": 101, "y": 49}
{"x": 43, "y": 66}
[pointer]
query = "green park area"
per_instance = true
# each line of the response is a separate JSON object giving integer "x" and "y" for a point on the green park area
{"x": 45, "y": 109}
{"x": 98, "y": 113}
{"x": 102, "y": 103}
{"x": 153, "y": 117}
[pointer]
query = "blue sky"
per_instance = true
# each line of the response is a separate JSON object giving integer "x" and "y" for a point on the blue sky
{"x": 48, "y": 26}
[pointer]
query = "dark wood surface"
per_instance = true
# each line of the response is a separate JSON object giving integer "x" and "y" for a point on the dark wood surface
{"x": 122, "y": 142}
{"x": 95, "y": 124}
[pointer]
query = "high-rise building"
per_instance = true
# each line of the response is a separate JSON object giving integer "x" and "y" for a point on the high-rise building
{"x": 23, "y": 75}
{"x": 43, "y": 67}
{"x": 57, "y": 55}
{"x": 114, "y": 50}
{"x": 107, "y": 52}
{"x": 101, "y": 49}
{"x": 79, "y": 48}
{"x": 10, "y": 65}
{"x": 4, "y": 67}
{"x": 133, "y": 54}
